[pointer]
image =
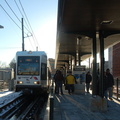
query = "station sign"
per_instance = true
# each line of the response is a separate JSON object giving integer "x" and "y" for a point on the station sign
{"x": 80, "y": 73}
{"x": 79, "y": 68}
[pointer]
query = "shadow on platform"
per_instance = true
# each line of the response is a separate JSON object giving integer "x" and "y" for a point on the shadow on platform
{"x": 78, "y": 107}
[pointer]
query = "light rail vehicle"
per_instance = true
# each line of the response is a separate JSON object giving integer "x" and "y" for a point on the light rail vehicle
{"x": 31, "y": 71}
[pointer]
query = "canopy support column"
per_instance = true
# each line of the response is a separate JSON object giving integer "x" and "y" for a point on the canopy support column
{"x": 101, "y": 65}
{"x": 94, "y": 74}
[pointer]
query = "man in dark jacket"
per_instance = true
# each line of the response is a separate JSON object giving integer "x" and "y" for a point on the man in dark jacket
{"x": 110, "y": 82}
{"x": 88, "y": 80}
{"x": 59, "y": 80}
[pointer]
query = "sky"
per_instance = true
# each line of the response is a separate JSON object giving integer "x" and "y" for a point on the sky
{"x": 106, "y": 56}
{"x": 40, "y": 24}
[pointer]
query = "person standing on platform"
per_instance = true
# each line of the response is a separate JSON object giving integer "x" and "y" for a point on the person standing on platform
{"x": 88, "y": 80}
{"x": 54, "y": 78}
{"x": 110, "y": 82}
{"x": 59, "y": 80}
{"x": 70, "y": 81}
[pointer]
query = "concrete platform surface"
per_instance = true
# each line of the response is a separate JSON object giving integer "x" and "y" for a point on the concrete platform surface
{"x": 77, "y": 107}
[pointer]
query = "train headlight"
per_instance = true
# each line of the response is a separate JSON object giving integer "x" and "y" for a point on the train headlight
{"x": 36, "y": 82}
{"x": 19, "y": 82}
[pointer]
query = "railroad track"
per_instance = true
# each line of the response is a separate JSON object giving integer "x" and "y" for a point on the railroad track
{"x": 23, "y": 108}
{"x": 8, "y": 109}
{"x": 33, "y": 110}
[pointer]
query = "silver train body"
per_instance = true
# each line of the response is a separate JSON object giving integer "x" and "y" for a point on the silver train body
{"x": 31, "y": 71}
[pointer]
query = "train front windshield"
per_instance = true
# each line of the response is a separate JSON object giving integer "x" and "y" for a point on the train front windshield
{"x": 28, "y": 65}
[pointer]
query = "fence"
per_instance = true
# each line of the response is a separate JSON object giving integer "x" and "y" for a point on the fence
{"x": 6, "y": 76}
{"x": 3, "y": 85}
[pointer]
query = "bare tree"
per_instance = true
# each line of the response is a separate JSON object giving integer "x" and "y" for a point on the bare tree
{"x": 12, "y": 64}
{"x": 2, "y": 64}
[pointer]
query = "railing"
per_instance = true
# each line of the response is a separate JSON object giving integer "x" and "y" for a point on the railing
{"x": 116, "y": 89}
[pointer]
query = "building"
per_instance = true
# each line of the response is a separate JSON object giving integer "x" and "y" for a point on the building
{"x": 51, "y": 64}
{"x": 116, "y": 60}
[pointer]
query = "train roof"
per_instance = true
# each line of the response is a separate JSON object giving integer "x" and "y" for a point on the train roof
{"x": 24, "y": 53}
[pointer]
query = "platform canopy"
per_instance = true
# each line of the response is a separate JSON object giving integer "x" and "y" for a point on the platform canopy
{"x": 81, "y": 20}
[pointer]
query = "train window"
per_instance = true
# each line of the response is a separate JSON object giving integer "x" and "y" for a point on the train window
{"x": 43, "y": 71}
{"x": 28, "y": 65}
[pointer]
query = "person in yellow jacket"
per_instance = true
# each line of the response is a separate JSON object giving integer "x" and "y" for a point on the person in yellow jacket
{"x": 70, "y": 81}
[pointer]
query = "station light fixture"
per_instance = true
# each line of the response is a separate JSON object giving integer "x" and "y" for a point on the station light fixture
{"x": 106, "y": 22}
{"x": 1, "y": 26}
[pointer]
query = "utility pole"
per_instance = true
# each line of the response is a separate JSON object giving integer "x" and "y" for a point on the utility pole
{"x": 22, "y": 36}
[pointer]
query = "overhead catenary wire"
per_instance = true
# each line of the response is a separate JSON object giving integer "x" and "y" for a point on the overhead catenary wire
{"x": 16, "y": 15}
{"x": 22, "y": 17}
{"x": 10, "y": 16}
{"x": 31, "y": 33}
{"x": 31, "y": 43}
{"x": 18, "y": 8}
{"x": 12, "y": 10}
{"x": 34, "y": 38}
{"x": 15, "y": 23}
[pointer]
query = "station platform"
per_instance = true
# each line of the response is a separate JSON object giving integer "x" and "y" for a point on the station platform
{"x": 77, "y": 107}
